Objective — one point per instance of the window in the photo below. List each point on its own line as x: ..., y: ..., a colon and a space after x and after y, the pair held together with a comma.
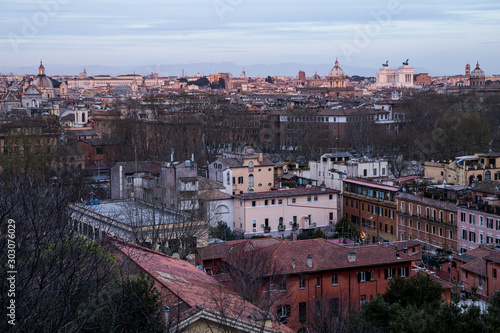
x: 266, y: 202
x: 283, y: 285
x: 471, y: 218
x: 388, y: 273
x: 452, y: 218
x: 494, y: 273
x: 293, y: 200
x: 250, y: 165
x: 462, y: 216
x: 130, y: 180
x: 335, y: 279
x: 374, y: 172
x: 280, y: 201
x: 253, y: 203
x: 254, y: 223
x: 302, y: 312
x: 472, y: 236
x: 240, y: 180
x: 362, y: 300
x: 273, y: 202
x: 330, y: 197
x: 250, y: 180
x: 451, y: 234
x: 361, y: 276
x: 283, y: 313
x: 402, y: 206
x: 464, y: 234
x: 403, y: 271
x: 309, y: 199
x: 302, y: 283
x: 316, y: 199
x: 334, y: 307
x: 318, y: 282
x: 383, y: 171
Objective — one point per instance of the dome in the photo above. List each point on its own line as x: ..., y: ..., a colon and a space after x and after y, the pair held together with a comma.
x: 121, y: 89
x: 43, y: 82
x: 336, y: 71
x: 477, y: 72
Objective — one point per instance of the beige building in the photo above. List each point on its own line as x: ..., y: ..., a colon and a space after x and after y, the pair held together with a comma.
x: 399, y: 78
x: 245, y: 172
x: 465, y: 170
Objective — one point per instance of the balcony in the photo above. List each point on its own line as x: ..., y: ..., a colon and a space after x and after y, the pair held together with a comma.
x: 281, y: 227
x: 295, y: 226
x: 267, y: 230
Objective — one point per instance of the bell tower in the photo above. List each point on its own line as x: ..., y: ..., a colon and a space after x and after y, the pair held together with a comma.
x: 467, y: 70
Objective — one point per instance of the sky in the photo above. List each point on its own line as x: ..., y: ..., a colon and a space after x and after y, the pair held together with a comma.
x: 438, y: 35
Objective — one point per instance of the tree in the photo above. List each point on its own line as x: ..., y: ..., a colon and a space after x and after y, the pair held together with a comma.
x: 60, y: 275
x: 222, y: 231
x: 346, y: 229
x: 259, y: 281
x: 131, y: 305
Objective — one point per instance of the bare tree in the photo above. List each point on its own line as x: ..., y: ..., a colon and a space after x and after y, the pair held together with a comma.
x: 259, y: 281
x: 56, y: 276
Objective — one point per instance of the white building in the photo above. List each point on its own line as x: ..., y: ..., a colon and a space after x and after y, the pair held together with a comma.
x: 399, y: 78
x: 333, y: 168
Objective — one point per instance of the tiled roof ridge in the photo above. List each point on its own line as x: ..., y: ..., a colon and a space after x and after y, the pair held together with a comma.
x: 146, y: 271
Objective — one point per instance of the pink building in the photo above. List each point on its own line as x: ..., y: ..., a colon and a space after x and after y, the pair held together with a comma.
x: 285, y: 212
x: 479, y: 217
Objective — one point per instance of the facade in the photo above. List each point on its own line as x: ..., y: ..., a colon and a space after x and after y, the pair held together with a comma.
x: 321, y: 275
x: 465, y: 170
x: 372, y: 208
x: 398, y: 78
x: 245, y: 172
x: 479, y: 217
x: 428, y: 220
x: 285, y: 213
x: 332, y: 168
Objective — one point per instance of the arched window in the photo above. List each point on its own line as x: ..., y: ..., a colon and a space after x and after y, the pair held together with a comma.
x: 441, y: 216
x: 250, y: 180
x: 281, y: 221
x: 487, y: 175
x: 250, y: 164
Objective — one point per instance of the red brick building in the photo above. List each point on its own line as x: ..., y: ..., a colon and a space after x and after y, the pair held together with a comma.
x: 323, y: 276
x: 372, y: 208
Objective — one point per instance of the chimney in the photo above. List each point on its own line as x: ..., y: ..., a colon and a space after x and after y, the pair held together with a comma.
x: 351, y: 256
x: 309, y: 261
x: 293, y: 263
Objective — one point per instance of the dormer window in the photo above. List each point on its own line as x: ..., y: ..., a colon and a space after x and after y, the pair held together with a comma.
x: 250, y: 164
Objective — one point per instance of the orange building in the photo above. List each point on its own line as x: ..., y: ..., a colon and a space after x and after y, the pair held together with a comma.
x: 372, y: 208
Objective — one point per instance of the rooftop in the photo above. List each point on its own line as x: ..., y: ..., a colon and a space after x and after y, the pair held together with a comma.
x: 286, y: 193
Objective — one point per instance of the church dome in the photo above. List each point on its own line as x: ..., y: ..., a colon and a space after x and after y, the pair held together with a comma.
x: 42, y: 81
x: 336, y: 71
x: 121, y: 89
x: 477, y: 72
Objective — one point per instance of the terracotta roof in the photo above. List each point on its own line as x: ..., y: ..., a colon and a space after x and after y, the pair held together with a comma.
x: 286, y: 193
x: 214, y: 195
x: 219, y: 251
x: 208, y: 184
x: 487, y: 186
x: 477, y: 266
x: 493, y: 256
x: 325, y: 256
x: 190, y: 284
x: 371, y: 184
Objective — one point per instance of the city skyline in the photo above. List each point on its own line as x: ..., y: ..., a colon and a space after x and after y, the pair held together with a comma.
x: 439, y: 36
